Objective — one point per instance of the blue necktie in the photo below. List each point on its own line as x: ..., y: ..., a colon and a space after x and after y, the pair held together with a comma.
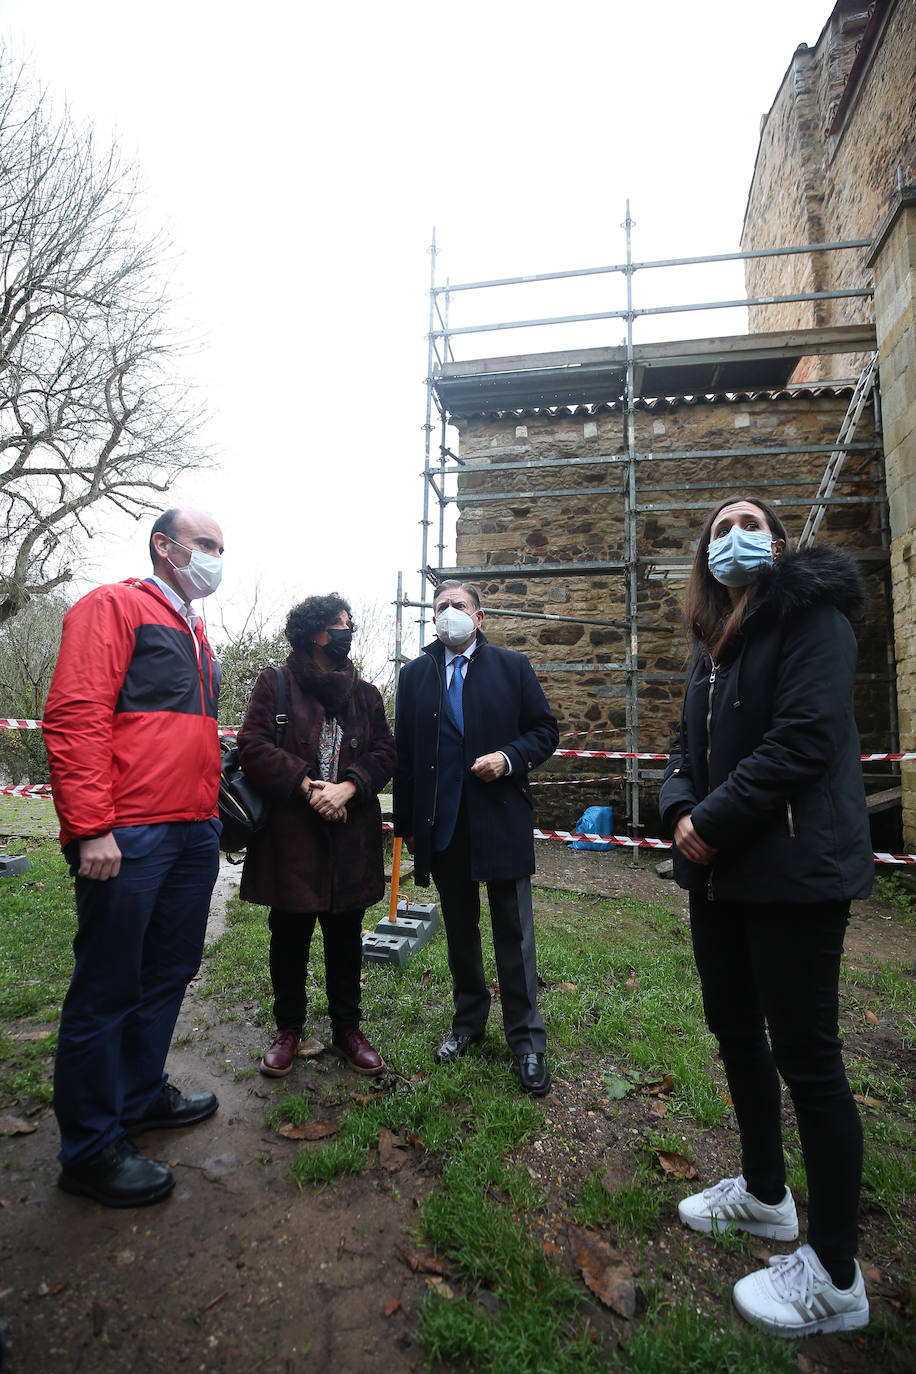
x: 455, y: 689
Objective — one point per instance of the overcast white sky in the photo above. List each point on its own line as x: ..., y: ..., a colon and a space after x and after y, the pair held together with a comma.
x: 299, y: 155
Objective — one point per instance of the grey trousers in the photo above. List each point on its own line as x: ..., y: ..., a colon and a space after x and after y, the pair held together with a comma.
x: 512, y: 920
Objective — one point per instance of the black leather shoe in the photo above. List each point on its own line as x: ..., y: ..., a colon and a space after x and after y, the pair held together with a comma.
x: 533, y: 1074
x: 173, y: 1108
x: 455, y: 1047
x: 118, y: 1176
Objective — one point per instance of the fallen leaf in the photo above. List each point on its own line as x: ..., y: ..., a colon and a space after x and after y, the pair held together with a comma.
x: 416, y: 1141
x: 871, y: 1273
x: 10, y: 1125
x: 58, y: 1288
x: 422, y: 1261
x: 425, y: 977
x: 494, y: 987
x: 676, y: 1164
x: 657, y: 1107
x: 664, y: 1088
x: 310, y: 1048
x: 31, y: 1035
x: 617, y: 1087
x: 605, y: 1272
x: 632, y: 983
x: 440, y: 1287
x: 392, y: 1150
x: 872, y: 1019
x: 564, y: 987
x: 309, y: 1130
x: 550, y: 1247
x: 804, y: 1365
x: 362, y: 1099
x: 612, y: 1180
x: 392, y: 1307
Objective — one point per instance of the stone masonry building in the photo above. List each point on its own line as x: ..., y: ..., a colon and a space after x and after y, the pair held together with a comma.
x: 837, y: 162
x: 582, y: 485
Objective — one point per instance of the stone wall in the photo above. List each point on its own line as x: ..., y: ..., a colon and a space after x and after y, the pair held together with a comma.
x: 578, y: 519
x: 894, y: 262
x: 812, y: 186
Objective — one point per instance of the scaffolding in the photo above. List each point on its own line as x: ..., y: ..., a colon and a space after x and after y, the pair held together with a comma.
x: 625, y: 375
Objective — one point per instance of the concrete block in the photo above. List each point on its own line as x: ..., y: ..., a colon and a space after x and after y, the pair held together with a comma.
x: 10, y: 866
x: 386, y: 949
x: 393, y: 942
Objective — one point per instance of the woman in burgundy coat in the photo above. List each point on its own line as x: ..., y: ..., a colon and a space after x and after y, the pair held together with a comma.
x: 320, y: 857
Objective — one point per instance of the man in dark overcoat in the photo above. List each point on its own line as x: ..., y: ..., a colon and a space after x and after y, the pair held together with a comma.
x: 471, y: 721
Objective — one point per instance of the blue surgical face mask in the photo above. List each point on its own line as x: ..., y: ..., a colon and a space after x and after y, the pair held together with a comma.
x: 737, y: 558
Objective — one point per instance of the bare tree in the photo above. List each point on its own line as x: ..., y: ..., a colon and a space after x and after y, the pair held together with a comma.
x: 29, y: 643
x: 92, y: 416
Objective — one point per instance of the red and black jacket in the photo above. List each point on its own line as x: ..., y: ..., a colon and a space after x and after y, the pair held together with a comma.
x: 130, y: 723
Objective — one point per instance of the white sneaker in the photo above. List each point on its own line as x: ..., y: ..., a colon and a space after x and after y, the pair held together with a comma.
x: 729, y: 1204
x: 795, y: 1297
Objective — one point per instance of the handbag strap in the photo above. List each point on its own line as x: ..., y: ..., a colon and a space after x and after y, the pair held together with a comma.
x: 281, y: 717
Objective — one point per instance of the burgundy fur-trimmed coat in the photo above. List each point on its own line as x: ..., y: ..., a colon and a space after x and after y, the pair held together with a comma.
x: 300, y: 862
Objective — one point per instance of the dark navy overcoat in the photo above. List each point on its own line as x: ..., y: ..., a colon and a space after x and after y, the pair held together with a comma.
x: 504, y: 710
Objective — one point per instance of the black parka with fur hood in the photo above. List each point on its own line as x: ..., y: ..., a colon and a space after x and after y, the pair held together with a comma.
x: 767, y: 757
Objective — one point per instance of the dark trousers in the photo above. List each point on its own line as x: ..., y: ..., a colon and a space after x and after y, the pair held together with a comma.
x: 776, y: 967
x: 290, y: 941
x: 512, y: 920
x: 139, y: 943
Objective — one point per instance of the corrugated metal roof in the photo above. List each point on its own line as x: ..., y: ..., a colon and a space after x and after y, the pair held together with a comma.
x: 722, y: 366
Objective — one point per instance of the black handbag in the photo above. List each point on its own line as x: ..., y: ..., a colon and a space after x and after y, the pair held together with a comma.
x: 243, y: 810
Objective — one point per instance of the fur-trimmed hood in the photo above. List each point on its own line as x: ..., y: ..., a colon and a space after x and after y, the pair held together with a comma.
x: 817, y: 574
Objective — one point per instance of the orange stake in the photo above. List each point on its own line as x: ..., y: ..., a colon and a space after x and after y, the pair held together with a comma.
x: 395, y: 880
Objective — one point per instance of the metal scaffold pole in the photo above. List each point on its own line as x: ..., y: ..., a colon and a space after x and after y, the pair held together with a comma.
x: 428, y: 430
x: 631, y: 557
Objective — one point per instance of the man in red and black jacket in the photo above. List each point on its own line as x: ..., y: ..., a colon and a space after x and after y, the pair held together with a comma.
x: 131, y: 733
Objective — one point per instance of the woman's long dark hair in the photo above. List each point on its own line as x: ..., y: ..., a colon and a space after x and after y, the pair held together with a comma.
x: 711, y: 617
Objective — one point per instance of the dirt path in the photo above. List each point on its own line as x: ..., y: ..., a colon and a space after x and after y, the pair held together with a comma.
x: 238, y: 1271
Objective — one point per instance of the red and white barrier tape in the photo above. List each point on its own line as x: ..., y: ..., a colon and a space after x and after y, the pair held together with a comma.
x: 41, y: 789
x: 12, y: 723
x: 602, y: 754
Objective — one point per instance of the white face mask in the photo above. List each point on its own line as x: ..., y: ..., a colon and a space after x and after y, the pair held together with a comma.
x: 201, y: 576
x: 454, y: 627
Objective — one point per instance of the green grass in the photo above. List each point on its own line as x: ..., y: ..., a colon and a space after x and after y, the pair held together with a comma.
x: 620, y: 997
x: 632, y: 1209
x: 36, y: 961
x: 894, y: 888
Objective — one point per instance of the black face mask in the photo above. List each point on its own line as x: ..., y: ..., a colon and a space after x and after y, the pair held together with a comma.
x: 338, y: 645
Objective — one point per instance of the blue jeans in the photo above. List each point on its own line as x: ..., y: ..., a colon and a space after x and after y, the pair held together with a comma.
x: 139, y: 943
x: 770, y: 977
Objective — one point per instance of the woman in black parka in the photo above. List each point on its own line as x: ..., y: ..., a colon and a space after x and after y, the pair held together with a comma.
x: 764, y: 795
x: 320, y: 856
